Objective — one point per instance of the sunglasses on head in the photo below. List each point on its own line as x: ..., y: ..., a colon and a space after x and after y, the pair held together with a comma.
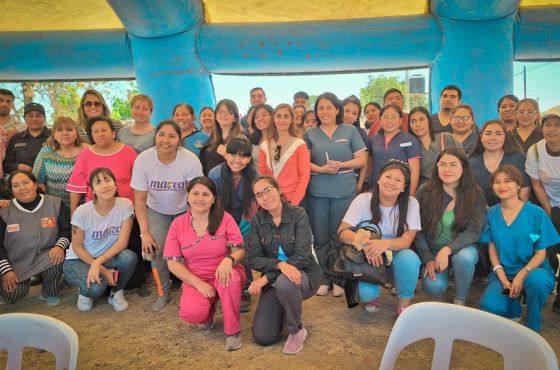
x: 277, y: 151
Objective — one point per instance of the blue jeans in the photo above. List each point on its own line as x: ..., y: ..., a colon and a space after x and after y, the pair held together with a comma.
x: 406, y: 267
x: 538, y: 285
x: 76, y: 270
x: 462, y: 263
x: 325, y: 216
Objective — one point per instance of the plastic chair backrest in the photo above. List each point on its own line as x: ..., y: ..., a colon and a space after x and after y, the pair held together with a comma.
x: 20, y: 330
x: 520, y: 347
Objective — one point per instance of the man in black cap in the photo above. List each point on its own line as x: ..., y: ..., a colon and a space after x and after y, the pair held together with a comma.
x: 23, y: 147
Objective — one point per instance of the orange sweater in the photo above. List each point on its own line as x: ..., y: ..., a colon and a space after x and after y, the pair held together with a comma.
x: 292, y: 171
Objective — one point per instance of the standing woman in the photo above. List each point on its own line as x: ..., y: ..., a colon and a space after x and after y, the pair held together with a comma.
x: 106, y: 151
x: 191, y: 138
x: 92, y: 104
x: 393, y: 143
x: 140, y: 135
x: 336, y: 151
x: 226, y: 125
x: 352, y: 112
x: 452, y: 208
x: 397, y: 215
x: 279, y: 247
x: 299, y: 117
x: 34, y: 232
x: 431, y: 144
x: 506, y: 109
x: 543, y: 167
x: 261, y: 123
x: 518, y: 235
x: 310, y: 120
x: 98, y: 256
x: 204, y: 249
x: 159, y: 179
x: 496, y: 148
x: 285, y: 156
x: 55, y: 161
x: 527, y: 132
x: 371, y: 111
x: 207, y: 120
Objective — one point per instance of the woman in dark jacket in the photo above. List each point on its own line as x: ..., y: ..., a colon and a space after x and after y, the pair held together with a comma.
x: 279, y: 247
x: 452, y: 208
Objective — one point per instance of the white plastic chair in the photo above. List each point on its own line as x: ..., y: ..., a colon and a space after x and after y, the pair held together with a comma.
x: 520, y: 347
x: 20, y: 330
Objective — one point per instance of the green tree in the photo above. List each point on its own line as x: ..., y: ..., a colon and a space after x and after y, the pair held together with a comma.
x: 312, y: 100
x: 377, y: 86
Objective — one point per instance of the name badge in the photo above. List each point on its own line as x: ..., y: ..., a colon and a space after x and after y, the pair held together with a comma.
x: 48, y: 222
x: 340, y: 141
x: 406, y: 144
x: 12, y: 228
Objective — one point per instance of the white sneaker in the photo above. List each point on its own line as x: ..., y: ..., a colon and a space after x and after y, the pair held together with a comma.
x: 116, y: 299
x: 84, y: 303
x: 323, y: 290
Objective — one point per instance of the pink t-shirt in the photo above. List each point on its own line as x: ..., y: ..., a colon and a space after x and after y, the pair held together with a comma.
x: 201, y: 255
x: 120, y: 163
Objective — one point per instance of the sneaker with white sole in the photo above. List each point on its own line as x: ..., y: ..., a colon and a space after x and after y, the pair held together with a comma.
x: 323, y: 290
x: 84, y: 303
x: 116, y: 299
x: 294, y: 343
x: 233, y: 342
x: 51, y: 300
x: 372, y: 306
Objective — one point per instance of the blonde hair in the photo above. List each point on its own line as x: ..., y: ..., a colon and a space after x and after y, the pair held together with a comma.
x: 82, y: 118
x: 142, y: 97
x: 62, y: 122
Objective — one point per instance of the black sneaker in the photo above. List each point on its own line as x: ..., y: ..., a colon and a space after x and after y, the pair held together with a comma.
x: 143, y: 291
x: 245, y: 304
x: 36, y: 280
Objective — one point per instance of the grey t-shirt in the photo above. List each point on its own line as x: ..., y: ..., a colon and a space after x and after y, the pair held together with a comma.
x: 137, y: 142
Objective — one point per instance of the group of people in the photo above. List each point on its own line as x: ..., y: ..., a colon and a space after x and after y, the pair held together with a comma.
x: 92, y: 199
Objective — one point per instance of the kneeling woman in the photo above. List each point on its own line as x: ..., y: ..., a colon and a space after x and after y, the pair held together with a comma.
x: 397, y: 214
x: 34, y: 231
x: 452, y: 208
x: 203, y: 248
x: 280, y: 247
x: 98, y: 257
x: 518, y: 235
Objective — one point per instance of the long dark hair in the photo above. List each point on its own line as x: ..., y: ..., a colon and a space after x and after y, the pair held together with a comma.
x: 257, y: 134
x: 428, y: 117
x: 509, y: 145
x: 239, y: 145
x: 467, y: 197
x: 216, y: 138
x: 216, y: 210
x: 334, y: 101
x: 102, y: 171
x: 352, y: 99
x: 402, y: 199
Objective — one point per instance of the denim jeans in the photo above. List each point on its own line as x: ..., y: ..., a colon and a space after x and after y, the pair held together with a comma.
x: 159, y: 226
x: 325, y: 216
x: 538, y: 285
x: 76, y: 270
x: 406, y: 267
x: 462, y: 263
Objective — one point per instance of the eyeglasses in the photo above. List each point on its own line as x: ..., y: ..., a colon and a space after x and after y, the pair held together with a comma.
x: 264, y: 192
x: 390, y: 117
x: 277, y: 152
x: 90, y: 104
x: 224, y: 112
x: 461, y: 118
x: 452, y: 165
x: 551, y: 124
x: 526, y: 112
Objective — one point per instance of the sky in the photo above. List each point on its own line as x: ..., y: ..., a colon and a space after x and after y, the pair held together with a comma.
x: 543, y: 84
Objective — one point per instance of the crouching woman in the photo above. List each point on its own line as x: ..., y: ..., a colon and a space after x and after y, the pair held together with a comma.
x: 279, y: 247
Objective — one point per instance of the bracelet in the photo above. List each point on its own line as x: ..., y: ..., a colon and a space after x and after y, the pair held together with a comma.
x: 231, y: 258
x: 497, y: 267
x: 528, y: 268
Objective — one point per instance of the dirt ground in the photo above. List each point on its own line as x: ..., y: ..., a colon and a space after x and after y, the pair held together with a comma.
x: 339, y: 338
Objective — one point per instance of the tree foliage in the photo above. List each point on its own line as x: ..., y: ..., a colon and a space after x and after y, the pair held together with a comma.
x: 377, y: 86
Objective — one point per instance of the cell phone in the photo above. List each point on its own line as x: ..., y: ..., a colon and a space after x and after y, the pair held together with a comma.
x: 506, y: 291
x: 115, y: 275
